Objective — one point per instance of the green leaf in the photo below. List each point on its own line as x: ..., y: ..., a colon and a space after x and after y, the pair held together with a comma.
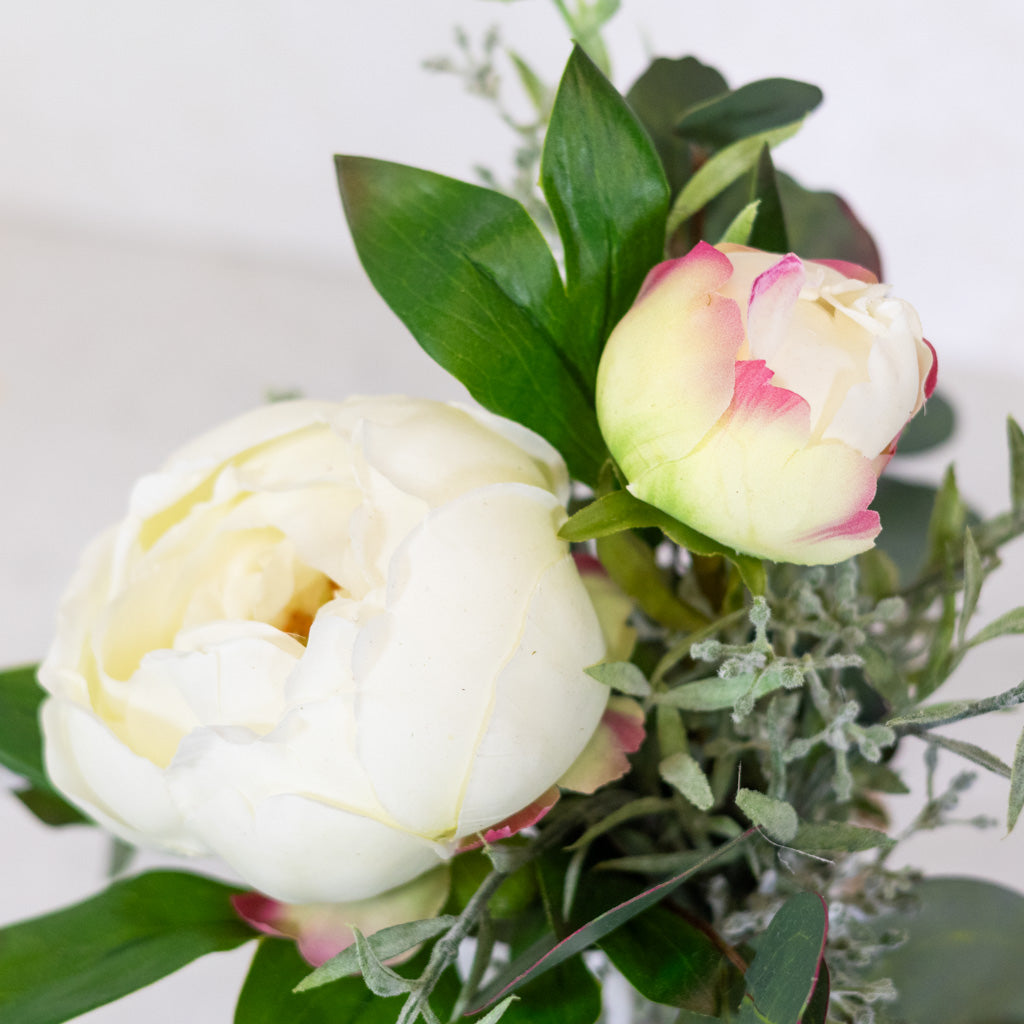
x: 661, y: 96
x: 769, y: 231
x: 717, y: 694
x: 498, y: 1012
x: 816, y: 1011
x: 468, y: 272
x: 882, y: 674
x: 932, y: 426
x: 623, y: 676
x: 1008, y: 624
x: 961, y: 961
x: 21, y: 741
x: 533, y: 86
x: 569, y: 994
x: 1016, y: 800
x: 267, y: 996
x: 618, y: 511
x: 947, y: 522
x: 1016, y: 439
x: 385, y: 944
x: 608, y: 196
x: 55, y: 967
x: 531, y: 966
x: 720, y: 171
x: 973, y: 578
x: 49, y: 808
x: 684, y: 773
x: 903, y: 506
x: 822, y: 226
x: 740, y: 227
x: 667, y: 959
x: 776, y: 817
x: 838, y: 836
x: 970, y: 752
x: 750, y: 110
x: 950, y: 711
x: 783, y: 974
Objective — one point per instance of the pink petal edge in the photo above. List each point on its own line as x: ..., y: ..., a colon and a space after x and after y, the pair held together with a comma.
x: 528, y: 816
x: 701, y: 253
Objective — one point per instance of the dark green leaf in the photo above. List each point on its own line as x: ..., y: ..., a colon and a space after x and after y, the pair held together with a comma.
x: 932, y: 426
x: 55, y: 967
x: 385, y: 944
x: 569, y: 994
x: 749, y: 110
x: 782, y: 977
x: 1016, y: 440
x: 608, y: 195
x: 532, y: 965
x: 21, y: 742
x: 961, y: 961
x: 1016, y: 800
x: 947, y: 522
x: 660, y: 97
x: 667, y: 959
x: 838, y: 836
x: 769, y: 231
x: 822, y: 226
x: 817, y: 1008
x: 49, y: 808
x: 904, y: 508
x: 267, y: 996
x: 472, y: 278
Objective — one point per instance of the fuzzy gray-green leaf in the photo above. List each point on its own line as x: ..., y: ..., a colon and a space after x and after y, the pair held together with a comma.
x: 623, y: 676
x: 685, y: 774
x: 776, y: 817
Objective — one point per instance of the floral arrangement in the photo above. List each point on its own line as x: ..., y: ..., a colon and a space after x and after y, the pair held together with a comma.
x: 595, y: 684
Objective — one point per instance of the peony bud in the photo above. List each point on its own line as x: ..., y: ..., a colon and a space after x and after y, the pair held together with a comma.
x: 756, y: 398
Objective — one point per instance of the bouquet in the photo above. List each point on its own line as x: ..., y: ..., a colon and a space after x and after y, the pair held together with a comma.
x: 579, y: 701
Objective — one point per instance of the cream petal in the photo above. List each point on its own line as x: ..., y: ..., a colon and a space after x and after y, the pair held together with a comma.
x: 426, y: 668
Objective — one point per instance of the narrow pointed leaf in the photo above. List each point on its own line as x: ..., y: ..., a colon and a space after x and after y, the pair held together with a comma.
x: 947, y: 522
x: 493, y: 1016
x: 973, y: 578
x: 783, y: 974
x: 607, y: 192
x: 721, y: 171
x: 1016, y: 800
x: 1016, y: 439
x: 970, y: 752
x: 839, y: 836
x: 520, y: 971
x: 386, y: 943
x: 49, y: 808
x: 933, y: 715
x: 470, y: 275
x: 380, y: 980
x: 569, y: 994
x: 55, y: 967
x: 750, y: 110
x: 769, y: 231
x: 1011, y: 622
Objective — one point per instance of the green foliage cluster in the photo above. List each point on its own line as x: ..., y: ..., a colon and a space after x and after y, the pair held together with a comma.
x: 739, y: 872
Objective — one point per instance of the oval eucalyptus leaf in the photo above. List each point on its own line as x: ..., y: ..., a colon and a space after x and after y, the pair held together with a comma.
x: 961, y: 961
x: 470, y: 275
x: 776, y: 817
x: 932, y: 426
x: 607, y: 192
x: 21, y: 741
x: 660, y: 97
x: 784, y: 972
x: 623, y: 676
x: 55, y: 967
x: 750, y: 110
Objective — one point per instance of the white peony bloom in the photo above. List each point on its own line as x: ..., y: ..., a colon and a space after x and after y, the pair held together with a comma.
x: 328, y: 643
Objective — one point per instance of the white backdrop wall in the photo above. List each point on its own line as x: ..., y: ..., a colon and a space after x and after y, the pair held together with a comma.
x: 214, y: 123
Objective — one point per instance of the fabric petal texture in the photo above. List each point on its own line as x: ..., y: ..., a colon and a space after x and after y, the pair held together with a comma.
x: 756, y: 398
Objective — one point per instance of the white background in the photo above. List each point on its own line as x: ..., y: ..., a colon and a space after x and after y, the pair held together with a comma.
x: 171, y: 245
